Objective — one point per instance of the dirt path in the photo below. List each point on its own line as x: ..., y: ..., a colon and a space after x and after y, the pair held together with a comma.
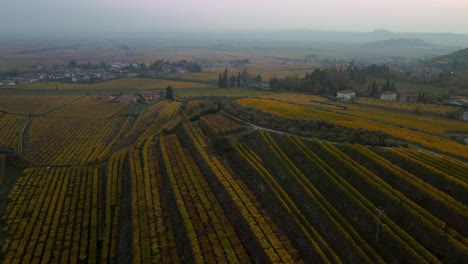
x: 22, y: 138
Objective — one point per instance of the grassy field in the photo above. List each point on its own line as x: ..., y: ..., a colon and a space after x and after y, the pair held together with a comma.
x: 34, y: 104
x: 119, y: 84
x: 90, y: 106
x: 199, y: 76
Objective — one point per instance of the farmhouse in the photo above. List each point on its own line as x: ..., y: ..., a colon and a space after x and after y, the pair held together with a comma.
x: 388, y: 96
x: 346, y: 95
x: 150, y: 96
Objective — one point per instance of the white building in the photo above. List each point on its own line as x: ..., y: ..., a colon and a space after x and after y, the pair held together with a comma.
x: 346, y: 95
x: 388, y: 96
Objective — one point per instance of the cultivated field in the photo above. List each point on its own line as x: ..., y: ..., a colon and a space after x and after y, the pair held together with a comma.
x: 118, y: 84
x: 185, y: 182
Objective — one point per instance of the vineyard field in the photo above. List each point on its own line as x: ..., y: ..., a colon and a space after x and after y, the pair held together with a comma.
x: 190, y: 182
x: 427, y: 140
x: 11, y: 127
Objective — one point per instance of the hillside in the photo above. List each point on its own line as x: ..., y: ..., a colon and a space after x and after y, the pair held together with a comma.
x: 399, y: 43
x: 276, y: 178
x: 456, y: 61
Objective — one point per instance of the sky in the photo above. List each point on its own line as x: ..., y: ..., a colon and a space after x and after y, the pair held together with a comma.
x: 48, y: 16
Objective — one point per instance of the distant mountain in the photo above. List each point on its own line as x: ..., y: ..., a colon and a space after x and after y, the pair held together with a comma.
x: 348, y: 37
x: 399, y: 43
x: 455, y: 61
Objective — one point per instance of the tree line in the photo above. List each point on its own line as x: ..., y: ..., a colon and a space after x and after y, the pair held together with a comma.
x: 329, y: 81
x: 190, y: 66
x: 242, y: 79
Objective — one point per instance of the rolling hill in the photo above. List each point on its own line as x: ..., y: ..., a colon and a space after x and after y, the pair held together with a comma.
x: 455, y: 61
x: 415, y: 43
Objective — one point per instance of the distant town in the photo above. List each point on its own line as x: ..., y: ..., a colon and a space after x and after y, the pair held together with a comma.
x: 88, y: 72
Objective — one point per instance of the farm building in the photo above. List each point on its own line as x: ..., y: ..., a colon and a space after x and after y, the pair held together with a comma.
x: 409, y: 98
x: 388, y: 96
x: 346, y: 95
x: 150, y: 96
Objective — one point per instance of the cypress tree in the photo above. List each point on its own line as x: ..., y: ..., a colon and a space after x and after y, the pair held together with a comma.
x: 225, y: 78
x: 233, y: 81
x: 220, y: 81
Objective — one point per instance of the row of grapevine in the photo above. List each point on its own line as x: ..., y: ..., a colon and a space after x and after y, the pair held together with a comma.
x: 140, y: 209
x: 401, y: 238
x: 431, y: 109
x: 160, y: 229
x: 10, y: 130
x: 451, y: 219
x: 72, y: 141
x: 153, y: 236
x: 275, y: 245
x: 418, y: 183
x: 392, y: 197
x: 220, y: 123
x: 345, y: 119
x: 321, y: 247
x: 213, y: 238
x: 425, y: 123
x: 167, y: 118
x: 113, y: 191
x: 453, y: 171
x: 53, y: 216
x: 434, y: 176
x: 346, y: 230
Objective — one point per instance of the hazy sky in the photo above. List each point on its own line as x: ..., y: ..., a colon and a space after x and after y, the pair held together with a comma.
x: 186, y: 15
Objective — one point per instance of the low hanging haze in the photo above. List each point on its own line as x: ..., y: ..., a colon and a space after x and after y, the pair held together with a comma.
x: 120, y: 16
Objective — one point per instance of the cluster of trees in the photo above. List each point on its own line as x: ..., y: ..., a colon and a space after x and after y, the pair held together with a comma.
x: 422, y: 97
x: 241, y: 80
x: 376, y: 88
x: 329, y: 81
x: 8, y: 74
x: 169, y: 93
x: 190, y: 66
x: 317, y: 82
x: 73, y: 64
